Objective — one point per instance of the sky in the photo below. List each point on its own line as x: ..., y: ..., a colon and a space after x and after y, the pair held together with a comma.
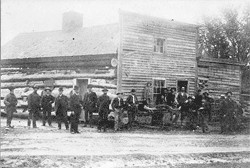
x: 19, y: 16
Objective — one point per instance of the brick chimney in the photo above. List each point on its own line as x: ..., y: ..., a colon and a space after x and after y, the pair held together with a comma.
x: 72, y: 21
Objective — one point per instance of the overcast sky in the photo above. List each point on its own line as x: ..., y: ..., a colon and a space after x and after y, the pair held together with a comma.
x: 18, y: 16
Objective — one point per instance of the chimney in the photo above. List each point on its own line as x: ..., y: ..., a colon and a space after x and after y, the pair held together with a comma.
x: 72, y: 21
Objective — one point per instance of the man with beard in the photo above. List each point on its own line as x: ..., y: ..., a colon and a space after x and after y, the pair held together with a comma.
x: 61, y: 108
x: 103, y: 110
x: 10, y: 102
x: 89, y: 105
x: 34, y: 107
x: 46, y: 103
x: 76, y: 105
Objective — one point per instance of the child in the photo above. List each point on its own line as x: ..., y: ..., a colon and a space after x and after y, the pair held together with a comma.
x: 73, y: 123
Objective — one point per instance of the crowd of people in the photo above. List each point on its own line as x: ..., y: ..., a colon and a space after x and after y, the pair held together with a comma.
x: 195, y: 110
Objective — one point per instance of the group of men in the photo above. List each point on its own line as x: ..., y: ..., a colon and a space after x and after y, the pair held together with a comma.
x: 197, y: 109
x: 75, y: 103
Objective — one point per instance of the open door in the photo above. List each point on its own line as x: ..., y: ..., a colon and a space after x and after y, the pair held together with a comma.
x: 181, y: 84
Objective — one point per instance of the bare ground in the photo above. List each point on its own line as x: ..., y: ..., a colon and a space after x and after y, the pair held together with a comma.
x: 49, y: 147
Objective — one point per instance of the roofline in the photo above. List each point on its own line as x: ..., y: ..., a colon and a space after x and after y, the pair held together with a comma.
x: 220, y: 61
x: 159, y: 19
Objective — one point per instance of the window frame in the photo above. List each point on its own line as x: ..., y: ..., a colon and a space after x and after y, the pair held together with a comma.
x: 157, y: 47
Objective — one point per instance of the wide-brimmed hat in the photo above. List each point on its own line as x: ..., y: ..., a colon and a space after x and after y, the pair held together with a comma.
x: 60, y: 89
x: 35, y: 86
x: 76, y: 87
x: 11, y: 88
x: 229, y: 92
x: 105, y: 89
x: 47, y: 88
x: 118, y: 93
x: 133, y: 90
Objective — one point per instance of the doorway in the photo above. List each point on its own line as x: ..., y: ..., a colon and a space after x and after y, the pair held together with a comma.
x: 82, y: 84
x: 181, y: 84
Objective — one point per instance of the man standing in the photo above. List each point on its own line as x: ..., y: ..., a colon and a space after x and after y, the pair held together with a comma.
x: 33, y: 106
x: 132, y: 103
x: 209, y: 105
x: 228, y: 110
x: 171, y: 97
x: 76, y: 105
x: 10, y: 102
x: 181, y: 98
x: 61, y: 108
x: 198, y: 99
x: 46, y: 103
x: 89, y: 105
x: 117, y: 106
x: 103, y: 110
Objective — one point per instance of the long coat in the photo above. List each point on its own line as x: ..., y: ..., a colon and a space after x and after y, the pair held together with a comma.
x: 10, y: 102
x: 34, y: 102
x: 89, y: 101
x: 103, y: 106
x: 181, y: 98
x: 61, y: 105
x: 46, y: 102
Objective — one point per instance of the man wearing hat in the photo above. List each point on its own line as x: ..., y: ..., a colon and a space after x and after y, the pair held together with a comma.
x: 171, y: 97
x: 89, y: 105
x: 10, y: 102
x: 209, y: 105
x: 117, y: 106
x: 34, y: 106
x: 228, y: 113
x: 76, y: 104
x: 61, y: 108
x: 46, y: 104
x: 132, y: 103
x: 103, y: 110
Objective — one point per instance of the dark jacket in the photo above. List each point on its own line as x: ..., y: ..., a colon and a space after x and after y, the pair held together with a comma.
x: 10, y: 102
x: 170, y: 99
x: 89, y: 101
x: 198, y: 100
x: 34, y: 101
x: 103, y: 103
x: 61, y: 105
x: 115, y: 103
x: 181, y: 98
x: 129, y: 100
x: 76, y: 102
x: 47, y: 101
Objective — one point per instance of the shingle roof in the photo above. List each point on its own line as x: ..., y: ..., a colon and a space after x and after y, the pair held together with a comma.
x: 95, y: 40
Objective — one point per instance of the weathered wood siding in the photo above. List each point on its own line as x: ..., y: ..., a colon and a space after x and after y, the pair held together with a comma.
x: 140, y: 64
x: 222, y: 77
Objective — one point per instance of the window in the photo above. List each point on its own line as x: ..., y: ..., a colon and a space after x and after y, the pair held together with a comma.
x: 159, y: 45
x: 181, y: 84
x: 158, y: 85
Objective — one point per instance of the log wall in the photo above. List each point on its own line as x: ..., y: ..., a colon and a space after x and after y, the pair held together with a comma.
x: 140, y: 64
x: 222, y: 77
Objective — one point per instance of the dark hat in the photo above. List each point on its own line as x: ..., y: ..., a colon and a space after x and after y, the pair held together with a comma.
x: 89, y: 86
x: 148, y: 83
x: 190, y: 97
x: 173, y: 89
x: 105, y: 89
x: 229, y: 92
x: 11, y: 88
x: 199, y: 90
x: 205, y: 93
x: 133, y: 90
x: 76, y: 87
x: 47, y: 88
x: 60, y: 89
x: 118, y: 93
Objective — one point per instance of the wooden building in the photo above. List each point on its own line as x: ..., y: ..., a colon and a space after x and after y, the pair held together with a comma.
x: 122, y: 56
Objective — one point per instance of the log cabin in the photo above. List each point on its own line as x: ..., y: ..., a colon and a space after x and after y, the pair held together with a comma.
x: 120, y: 56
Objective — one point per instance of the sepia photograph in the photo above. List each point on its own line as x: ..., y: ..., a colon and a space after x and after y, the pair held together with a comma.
x: 125, y: 84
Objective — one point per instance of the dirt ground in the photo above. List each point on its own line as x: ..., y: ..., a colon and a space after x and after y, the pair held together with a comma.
x: 48, y: 147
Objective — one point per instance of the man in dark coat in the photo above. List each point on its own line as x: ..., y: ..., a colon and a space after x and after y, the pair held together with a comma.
x: 76, y: 104
x: 132, y: 104
x: 198, y: 99
x: 46, y: 103
x: 89, y: 105
x: 117, y: 106
x: 34, y: 107
x: 203, y: 115
x: 209, y: 104
x: 171, y: 97
x: 10, y: 102
x: 228, y: 109
x: 61, y: 108
x: 181, y: 98
x: 103, y: 110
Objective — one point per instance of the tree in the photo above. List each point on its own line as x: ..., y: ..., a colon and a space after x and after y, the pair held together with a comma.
x: 227, y: 37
